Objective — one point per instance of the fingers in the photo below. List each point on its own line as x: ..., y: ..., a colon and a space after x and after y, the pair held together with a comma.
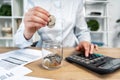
x: 78, y: 48
x: 37, y: 15
x: 84, y: 46
x: 37, y: 25
x: 96, y: 47
x: 34, y: 15
x: 34, y: 19
x: 91, y: 48
x: 37, y: 12
x: 42, y: 10
x: 87, y: 47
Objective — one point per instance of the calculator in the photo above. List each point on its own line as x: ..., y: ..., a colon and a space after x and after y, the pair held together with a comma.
x: 98, y: 63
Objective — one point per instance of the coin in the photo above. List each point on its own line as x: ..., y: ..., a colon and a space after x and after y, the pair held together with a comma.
x: 47, y: 62
x: 51, y: 23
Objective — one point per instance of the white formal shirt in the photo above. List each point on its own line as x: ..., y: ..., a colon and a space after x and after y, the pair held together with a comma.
x: 70, y: 26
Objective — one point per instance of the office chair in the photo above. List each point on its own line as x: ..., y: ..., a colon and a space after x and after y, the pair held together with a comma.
x: 34, y: 44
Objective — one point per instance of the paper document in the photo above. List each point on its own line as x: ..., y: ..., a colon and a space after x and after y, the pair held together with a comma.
x: 12, y: 59
x: 16, y: 72
x: 11, y: 64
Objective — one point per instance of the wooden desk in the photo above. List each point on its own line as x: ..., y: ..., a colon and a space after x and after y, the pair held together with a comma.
x: 72, y: 72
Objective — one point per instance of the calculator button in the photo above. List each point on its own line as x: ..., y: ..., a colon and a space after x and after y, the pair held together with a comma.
x: 87, y: 62
x: 82, y: 60
x: 78, y: 59
x: 91, y: 61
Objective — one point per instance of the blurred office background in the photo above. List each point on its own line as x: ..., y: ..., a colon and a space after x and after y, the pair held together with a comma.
x: 102, y: 17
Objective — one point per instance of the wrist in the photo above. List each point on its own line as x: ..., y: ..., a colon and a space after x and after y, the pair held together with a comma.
x: 27, y: 35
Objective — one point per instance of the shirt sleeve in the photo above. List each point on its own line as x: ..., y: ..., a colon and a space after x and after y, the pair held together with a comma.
x: 81, y: 30
x: 19, y: 38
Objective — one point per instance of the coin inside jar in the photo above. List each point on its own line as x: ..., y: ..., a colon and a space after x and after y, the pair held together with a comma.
x: 52, y: 61
x: 51, y: 23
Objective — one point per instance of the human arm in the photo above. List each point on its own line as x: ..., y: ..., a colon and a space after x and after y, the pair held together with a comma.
x: 34, y: 19
x: 82, y: 33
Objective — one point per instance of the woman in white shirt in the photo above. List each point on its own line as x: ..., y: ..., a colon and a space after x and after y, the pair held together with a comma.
x: 70, y: 26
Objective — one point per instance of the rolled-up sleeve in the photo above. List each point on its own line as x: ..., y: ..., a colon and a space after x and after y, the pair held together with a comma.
x: 81, y: 30
x: 20, y: 40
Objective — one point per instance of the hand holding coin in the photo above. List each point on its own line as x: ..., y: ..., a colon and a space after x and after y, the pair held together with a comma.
x: 34, y: 19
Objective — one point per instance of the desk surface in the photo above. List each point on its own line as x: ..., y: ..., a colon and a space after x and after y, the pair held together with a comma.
x: 72, y: 72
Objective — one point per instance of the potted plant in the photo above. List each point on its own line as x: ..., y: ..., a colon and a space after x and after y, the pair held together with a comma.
x: 5, y: 10
x: 93, y: 24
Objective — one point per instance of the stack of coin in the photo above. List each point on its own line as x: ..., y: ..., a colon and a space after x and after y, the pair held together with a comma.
x: 52, y: 60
